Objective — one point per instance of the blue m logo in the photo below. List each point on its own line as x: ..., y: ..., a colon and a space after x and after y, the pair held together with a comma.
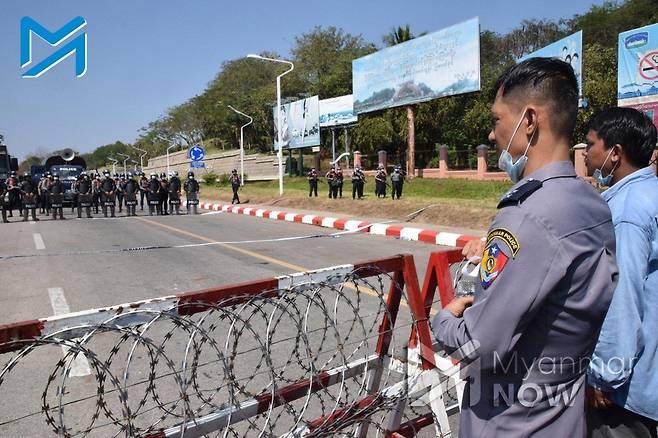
x: 78, y: 45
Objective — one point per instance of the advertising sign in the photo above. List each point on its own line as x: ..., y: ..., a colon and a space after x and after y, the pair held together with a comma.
x: 300, y: 122
x: 337, y: 111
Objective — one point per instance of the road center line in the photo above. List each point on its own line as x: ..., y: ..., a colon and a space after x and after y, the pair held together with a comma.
x: 38, y: 241
x: 256, y: 255
x: 80, y: 365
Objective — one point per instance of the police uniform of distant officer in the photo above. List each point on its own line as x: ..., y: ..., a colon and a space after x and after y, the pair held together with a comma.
x: 29, y: 197
x: 143, y: 190
x: 130, y: 190
x: 331, y: 181
x: 108, y: 194
x: 380, y: 182
x: 96, y: 191
x: 191, y: 187
x: 312, y: 182
x: 41, y: 190
x: 4, y: 199
x: 339, y: 181
x: 57, y: 197
x: 235, y: 186
x: 397, y: 182
x: 120, y: 181
x: 174, y: 193
x: 14, y: 192
x: 547, y: 272
x: 85, y: 194
x: 358, y: 181
x: 164, y: 193
x: 154, y: 194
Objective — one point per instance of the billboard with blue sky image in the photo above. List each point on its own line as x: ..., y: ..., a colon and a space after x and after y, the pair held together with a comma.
x: 301, y: 123
x: 637, y: 66
x: 337, y: 111
x: 443, y: 63
x: 568, y: 49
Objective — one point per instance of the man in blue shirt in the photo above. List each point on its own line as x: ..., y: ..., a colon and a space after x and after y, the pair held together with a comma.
x: 623, y: 383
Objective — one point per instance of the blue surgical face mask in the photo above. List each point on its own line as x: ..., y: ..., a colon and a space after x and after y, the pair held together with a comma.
x: 506, y: 162
x: 598, y: 173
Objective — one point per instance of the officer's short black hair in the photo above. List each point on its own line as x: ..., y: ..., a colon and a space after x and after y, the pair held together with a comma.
x: 549, y: 81
x: 627, y: 127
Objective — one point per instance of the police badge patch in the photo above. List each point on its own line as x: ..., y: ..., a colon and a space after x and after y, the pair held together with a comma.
x: 493, y: 262
x: 494, y: 259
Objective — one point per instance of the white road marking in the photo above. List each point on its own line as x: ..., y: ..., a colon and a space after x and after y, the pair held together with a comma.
x: 38, y: 241
x: 80, y: 365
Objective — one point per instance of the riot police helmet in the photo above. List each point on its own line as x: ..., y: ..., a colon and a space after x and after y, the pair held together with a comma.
x: 56, y: 176
x: 154, y: 175
x: 130, y: 175
x: 190, y: 174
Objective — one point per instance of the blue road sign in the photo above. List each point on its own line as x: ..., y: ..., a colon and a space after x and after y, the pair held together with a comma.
x: 197, y: 165
x: 196, y: 153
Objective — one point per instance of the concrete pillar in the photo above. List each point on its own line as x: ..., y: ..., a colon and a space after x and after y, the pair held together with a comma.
x: 443, y: 161
x: 357, y: 159
x: 382, y: 158
x: 579, y: 159
x: 483, y: 155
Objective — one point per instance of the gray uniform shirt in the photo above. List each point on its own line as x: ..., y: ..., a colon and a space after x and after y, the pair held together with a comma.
x: 546, y: 281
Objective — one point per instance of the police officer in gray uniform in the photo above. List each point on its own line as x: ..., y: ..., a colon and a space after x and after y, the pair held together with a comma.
x: 547, y: 272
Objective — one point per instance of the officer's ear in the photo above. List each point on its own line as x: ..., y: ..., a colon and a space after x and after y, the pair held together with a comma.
x: 531, y: 120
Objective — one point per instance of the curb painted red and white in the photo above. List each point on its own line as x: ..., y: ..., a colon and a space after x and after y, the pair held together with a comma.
x: 404, y: 233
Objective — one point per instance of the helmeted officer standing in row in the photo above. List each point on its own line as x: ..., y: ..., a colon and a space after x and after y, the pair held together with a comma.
x: 29, y: 197
x: 14, y: 190
x: 130, y: 190
x: 44, y: 193
x: 85, y: 194
x: 143, y: 190
x: 380, y: 182
x: 312, y: 178
x: 331, y: 181
x: 397, y: 182
x: 340, y: 180
x: 57, y: 197
x: 108, y: 194
x: 358, y: 181
x: 174, y: 193
x: 4, y: 199
x: 164, y: 194
x: 235, y: 186
x: 547, y: 272
x: 154, y: 194
x: 191, y: 187
x: 119, y: 181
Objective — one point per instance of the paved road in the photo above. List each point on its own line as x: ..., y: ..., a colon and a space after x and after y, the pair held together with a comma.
x: 76, y: 264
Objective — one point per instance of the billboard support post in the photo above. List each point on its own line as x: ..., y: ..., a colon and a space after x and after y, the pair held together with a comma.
x: 278, y: 111
x: 333, y: 144
x: 411, y: 140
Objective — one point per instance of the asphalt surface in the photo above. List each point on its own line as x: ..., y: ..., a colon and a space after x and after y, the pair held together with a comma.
x: 49, y: 267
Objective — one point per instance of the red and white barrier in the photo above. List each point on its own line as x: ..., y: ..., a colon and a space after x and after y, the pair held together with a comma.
x: 382, y: 229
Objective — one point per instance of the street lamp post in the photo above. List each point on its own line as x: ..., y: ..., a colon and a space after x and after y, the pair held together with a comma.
x: 125, y: 169
x: 242, y: 142
x: 141, y: 157
x: 278, y: 111
x: 114, y: 164
x: 168, y: 149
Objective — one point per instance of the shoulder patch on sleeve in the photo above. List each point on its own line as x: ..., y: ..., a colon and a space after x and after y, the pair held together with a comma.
x: 521, y: 193
x: 493, y: 262
x: 507, y: 237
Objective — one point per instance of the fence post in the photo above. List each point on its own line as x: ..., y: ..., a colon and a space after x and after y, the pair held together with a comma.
x: 357, y: 159
x: 483, y: 152
x: 579, y: 159
x: 443, y: 161
x: 382, y: 158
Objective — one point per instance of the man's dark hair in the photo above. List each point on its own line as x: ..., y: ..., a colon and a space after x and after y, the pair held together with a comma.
x: 548, y: 81
x: 628, y: 127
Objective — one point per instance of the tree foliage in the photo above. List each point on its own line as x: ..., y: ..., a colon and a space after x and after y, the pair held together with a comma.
x: 323, y: 66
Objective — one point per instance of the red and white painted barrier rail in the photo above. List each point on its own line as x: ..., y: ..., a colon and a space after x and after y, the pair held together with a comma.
x: 383, y: 229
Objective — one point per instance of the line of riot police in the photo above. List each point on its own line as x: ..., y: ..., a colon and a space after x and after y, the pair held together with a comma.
x: 335, y: 178
x: 91, y: 191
